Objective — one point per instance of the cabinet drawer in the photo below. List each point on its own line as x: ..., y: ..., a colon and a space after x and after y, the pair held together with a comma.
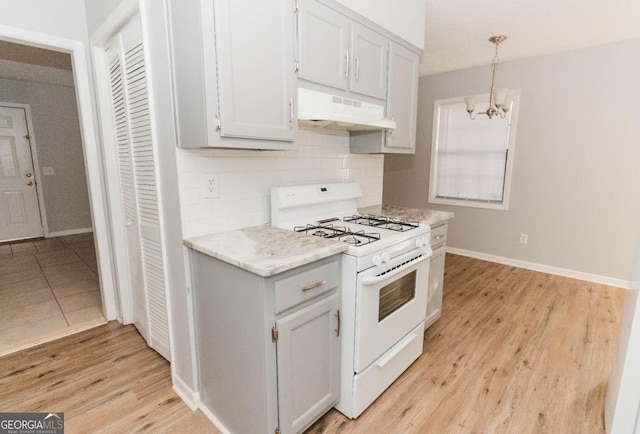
x: 306, y: 285
x: 438, y: 235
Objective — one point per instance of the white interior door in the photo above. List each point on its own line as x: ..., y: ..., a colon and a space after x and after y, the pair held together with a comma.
x: 19, y: 209
x: 138, y: 186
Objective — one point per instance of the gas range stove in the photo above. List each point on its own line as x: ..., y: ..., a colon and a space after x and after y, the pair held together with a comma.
x: 384, y: 283
x: 330, y: 211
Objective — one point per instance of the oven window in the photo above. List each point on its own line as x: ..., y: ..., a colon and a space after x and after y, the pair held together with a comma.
x: 396, y: 294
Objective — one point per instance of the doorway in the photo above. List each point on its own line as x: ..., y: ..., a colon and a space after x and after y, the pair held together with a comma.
x: 64, y: 244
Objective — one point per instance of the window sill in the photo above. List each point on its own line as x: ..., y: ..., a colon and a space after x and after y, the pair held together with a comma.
x: 504, y: 206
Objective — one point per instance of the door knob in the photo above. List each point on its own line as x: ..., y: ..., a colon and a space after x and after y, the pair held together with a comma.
x: 29, y: 175
x: 30, y: 183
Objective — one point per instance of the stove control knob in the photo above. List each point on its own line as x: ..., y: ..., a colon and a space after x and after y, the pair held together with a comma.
x: 385, y: 257
x: 426, y: 240
x: 419, y: 242
x: 376, y: 260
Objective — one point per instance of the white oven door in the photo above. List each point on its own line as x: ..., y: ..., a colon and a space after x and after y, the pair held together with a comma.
x: 391, y: 301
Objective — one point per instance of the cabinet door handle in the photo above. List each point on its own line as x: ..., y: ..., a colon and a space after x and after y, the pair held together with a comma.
x: 313, y: 285
x: 357, y: 66
x: 346, y: 60
x: 439, y: 237
x: 291, y: 112
x: 338, y: 317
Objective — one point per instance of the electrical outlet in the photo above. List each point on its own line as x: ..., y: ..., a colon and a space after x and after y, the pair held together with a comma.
x: 211, y: 184
x: 524, y: 238
x: 47, y: 171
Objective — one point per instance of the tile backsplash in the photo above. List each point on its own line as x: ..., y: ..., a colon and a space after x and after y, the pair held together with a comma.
x: 223, y: 190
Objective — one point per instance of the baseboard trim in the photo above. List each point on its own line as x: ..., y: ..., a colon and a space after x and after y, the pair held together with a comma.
x: 594, y: 278
x: 214, y: 420
x: 68, y: 232
x: 188, y: 395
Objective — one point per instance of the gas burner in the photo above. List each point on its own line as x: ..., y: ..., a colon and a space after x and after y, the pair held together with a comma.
x: 395, y: 227
x: 351, y: 240
x: 382, y: 222
x: 322, y: 230
x: 359, y: 238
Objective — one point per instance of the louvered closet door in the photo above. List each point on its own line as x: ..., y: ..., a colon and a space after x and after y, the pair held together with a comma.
x: 138, y: 184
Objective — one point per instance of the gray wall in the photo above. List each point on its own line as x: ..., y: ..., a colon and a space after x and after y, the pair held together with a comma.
x: 97, y: 12
x: 576, y: 175
x: 59, y: 145
x: 64, y: 18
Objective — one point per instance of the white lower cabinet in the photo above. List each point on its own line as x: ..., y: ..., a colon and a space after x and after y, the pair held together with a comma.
x: 268, y: 348
x: 436, y: 274
x: 308, y: 382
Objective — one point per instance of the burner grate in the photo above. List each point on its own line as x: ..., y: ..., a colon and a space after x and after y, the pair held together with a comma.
x: 341, y: 233
x: 382, y: 222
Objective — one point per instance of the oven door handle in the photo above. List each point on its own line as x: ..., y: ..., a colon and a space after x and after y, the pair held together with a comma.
x: 398, y: 348
x: 377, y: 279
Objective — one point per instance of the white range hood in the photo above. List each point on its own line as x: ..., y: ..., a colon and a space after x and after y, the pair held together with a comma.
x: 334, y: 112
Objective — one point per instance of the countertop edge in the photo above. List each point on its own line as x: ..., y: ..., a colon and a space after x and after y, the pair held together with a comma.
x: 264, y: 259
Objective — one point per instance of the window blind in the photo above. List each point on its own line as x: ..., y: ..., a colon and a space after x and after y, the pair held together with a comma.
x: 471, y: 154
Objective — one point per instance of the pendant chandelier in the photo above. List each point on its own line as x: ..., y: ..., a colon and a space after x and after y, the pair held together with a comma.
x: 499, y: 99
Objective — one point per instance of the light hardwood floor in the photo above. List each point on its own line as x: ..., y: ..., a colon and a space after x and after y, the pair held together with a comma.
x: 515, y: 352
x: 104, y: 380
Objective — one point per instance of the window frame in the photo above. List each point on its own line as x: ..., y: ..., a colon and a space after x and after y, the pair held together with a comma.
x: 433, y: 175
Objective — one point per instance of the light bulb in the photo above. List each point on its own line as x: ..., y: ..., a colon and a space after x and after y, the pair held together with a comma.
x: 471, y: 102
x: 499, y: 96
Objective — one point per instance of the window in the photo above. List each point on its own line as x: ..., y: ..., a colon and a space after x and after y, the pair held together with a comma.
x: 471, y: 159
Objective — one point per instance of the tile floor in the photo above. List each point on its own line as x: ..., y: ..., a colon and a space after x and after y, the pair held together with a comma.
x: 48, y: 286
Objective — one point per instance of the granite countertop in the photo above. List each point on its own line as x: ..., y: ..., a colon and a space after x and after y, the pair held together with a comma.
x: 429, y: 216
x: 265, y: 250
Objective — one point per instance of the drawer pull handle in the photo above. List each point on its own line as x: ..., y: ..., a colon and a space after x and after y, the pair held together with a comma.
x: 439, y: 237
x: 291, y: 112
x: 338, y: 317
x: 346, y: 61
x: 313, y: 285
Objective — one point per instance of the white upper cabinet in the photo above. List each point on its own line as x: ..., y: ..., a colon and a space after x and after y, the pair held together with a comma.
x: 402, y: 107
x: 402, y: 99
x: 323, y: 45
x: 369, y: 51
x: 341, y: 53
x: 233, y: 71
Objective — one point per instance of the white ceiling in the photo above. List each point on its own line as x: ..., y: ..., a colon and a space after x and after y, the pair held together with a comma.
x: 457, y: 31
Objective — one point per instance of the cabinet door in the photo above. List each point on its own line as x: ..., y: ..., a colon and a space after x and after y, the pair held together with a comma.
x: 402, y: 100
x: 308, y: 353
x: 436, y: 280
x: 323, y: 43
x: 254, y: 42
x: 369, y: 65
